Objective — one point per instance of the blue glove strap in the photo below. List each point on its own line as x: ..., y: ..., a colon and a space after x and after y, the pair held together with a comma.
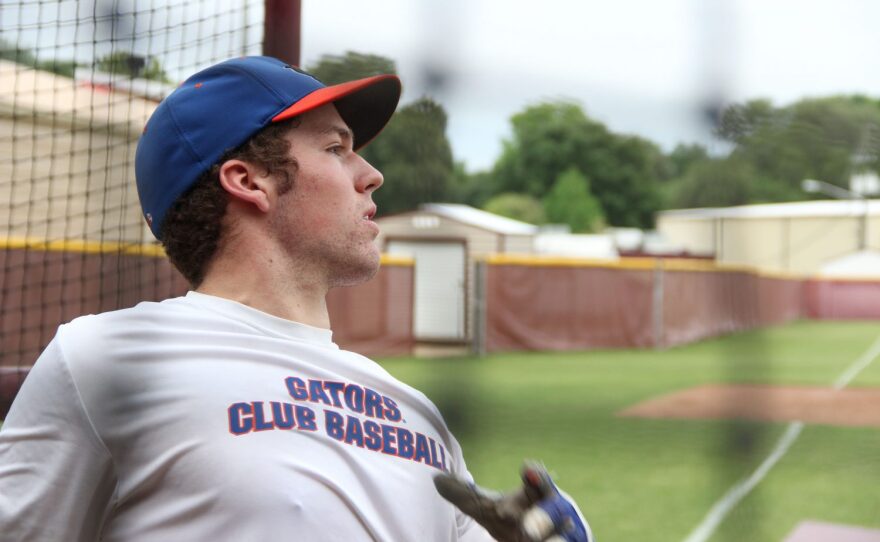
x: 564, y: 513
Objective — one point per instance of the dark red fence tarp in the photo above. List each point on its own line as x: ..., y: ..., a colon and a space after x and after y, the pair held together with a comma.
x: 700, y: 304
x: 42, y: 289
x: 842, y: 299
x: 566, y: 308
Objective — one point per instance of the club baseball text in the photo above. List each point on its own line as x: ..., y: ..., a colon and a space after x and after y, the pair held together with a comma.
x: 370, y: 434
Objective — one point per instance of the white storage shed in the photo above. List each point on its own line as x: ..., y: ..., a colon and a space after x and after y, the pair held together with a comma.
x: 444, y: 239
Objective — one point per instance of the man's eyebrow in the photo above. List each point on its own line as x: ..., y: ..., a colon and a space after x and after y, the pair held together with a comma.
x: 342, y: 131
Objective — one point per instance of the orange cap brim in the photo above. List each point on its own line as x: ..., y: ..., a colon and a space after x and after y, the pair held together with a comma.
x: 366, y: 105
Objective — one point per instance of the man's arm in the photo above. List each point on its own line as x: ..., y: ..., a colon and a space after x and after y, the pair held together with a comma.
x: 56, y: 476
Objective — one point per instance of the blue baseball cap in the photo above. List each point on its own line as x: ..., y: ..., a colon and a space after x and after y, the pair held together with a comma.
x: 221, y: 107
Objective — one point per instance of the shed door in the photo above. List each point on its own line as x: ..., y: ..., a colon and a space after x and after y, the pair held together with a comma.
x: 439, y: 302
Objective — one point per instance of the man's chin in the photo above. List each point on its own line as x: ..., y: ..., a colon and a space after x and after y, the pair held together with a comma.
x: 358, y: 272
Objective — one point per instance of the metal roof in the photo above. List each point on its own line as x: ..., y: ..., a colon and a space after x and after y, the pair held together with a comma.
x: 42, y: 96
x: 863, y: 264
x: 481, y: 219
x: 781, y: 210
x: 580, y: 245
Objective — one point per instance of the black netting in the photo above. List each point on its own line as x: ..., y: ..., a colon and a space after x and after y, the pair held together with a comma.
x: 77, y: 82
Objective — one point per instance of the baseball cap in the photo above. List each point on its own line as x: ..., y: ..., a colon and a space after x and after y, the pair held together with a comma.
x: 219, y: 108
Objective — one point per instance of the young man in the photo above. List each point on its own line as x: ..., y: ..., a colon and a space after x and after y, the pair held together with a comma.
x: 229, y: 414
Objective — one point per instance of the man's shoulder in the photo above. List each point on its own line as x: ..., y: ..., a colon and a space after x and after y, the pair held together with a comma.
x: 145, y: 312
x: 97, y: 346
x: 103, y: 331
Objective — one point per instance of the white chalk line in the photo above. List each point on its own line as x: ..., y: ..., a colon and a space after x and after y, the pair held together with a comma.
x: 736, y: 493
x: 858, y: 366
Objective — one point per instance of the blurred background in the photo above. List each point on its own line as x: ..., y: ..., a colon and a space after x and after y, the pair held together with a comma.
x: 635, y: 239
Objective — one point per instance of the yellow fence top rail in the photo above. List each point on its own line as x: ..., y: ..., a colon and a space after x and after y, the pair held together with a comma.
x: 82, y: 246
x: 394, y: 259
x: 643, y: 264
x: 154, y: 250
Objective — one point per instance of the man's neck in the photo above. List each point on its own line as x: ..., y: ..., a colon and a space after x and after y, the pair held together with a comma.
x: 266, y: 287
x: 304, y: 312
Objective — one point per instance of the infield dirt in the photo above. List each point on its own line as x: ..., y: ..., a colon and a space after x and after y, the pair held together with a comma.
x: 814, y: 405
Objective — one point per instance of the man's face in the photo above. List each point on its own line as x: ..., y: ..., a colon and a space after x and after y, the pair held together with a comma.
x: 325, y: 222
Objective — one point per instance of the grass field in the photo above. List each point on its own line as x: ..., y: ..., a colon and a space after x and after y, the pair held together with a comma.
x: 655, y: 480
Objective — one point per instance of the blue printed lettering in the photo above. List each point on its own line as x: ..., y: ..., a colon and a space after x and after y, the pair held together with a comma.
x: 335, y: 388
x: 373, y: 404
x: 240, y: 421
x: 341, y: 395
x: 316, y: 392
x: 354, y: 397
x: 422, y: 453
x: 388, y: 439
x: 305, y: 418
x: 333, y: 423
x: 443, y: 459
x: 435, y: 461
x: 296, y: 388
x: 372, y: 435
x: 404, y: 443
x: 353, y: 432
x: 282, y: 415
x: 392, y: 413
x: 260, y: 424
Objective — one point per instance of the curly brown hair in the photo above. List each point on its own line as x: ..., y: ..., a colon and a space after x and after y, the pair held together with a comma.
x: 193, y: 227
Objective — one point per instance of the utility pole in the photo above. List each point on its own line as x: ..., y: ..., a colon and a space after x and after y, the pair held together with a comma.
x: 282, y: 30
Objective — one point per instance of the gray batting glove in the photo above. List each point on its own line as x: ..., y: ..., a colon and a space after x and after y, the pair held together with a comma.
x: 536, y: 512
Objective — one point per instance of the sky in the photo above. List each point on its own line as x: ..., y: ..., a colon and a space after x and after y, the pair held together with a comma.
x: 644, y: 67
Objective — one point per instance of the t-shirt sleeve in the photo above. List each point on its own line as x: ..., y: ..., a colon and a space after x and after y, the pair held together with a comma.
x: 56, y: 476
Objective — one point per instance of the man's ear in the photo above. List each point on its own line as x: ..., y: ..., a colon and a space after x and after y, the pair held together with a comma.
x: 246, y: 183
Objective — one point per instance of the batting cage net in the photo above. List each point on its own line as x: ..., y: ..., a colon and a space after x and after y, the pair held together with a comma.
x: 78, y: 81
x: 767, y: 434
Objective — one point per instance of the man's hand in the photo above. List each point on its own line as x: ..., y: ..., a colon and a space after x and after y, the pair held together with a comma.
x: 536, y: 512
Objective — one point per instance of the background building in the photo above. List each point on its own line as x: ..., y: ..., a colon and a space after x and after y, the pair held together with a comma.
x: 67, y: 158
x: 445, y: 240
x: 799, y: 237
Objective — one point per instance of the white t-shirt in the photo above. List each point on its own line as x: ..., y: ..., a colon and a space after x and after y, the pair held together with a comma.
x: 199, y: 418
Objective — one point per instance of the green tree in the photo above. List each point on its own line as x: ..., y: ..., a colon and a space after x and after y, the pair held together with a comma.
x: 812, y: 138
x: 551, y: 137
x: 414, y: 156
x: 716, y: 183
x: 131, y: 65
x: 570, y: 202
x: 25, y: 57
x: 776, y: 148
x: 335, y: 69
x: 517, y: 206
x: 739, y: 121
x: 684, y: 156
x: 413, y: 152
x: 474, y: 189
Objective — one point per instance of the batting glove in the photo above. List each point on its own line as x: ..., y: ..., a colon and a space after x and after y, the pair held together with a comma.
x: 536, y: 512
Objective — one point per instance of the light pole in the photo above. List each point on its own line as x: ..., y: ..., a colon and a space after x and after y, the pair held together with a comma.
x: 814, y: 186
